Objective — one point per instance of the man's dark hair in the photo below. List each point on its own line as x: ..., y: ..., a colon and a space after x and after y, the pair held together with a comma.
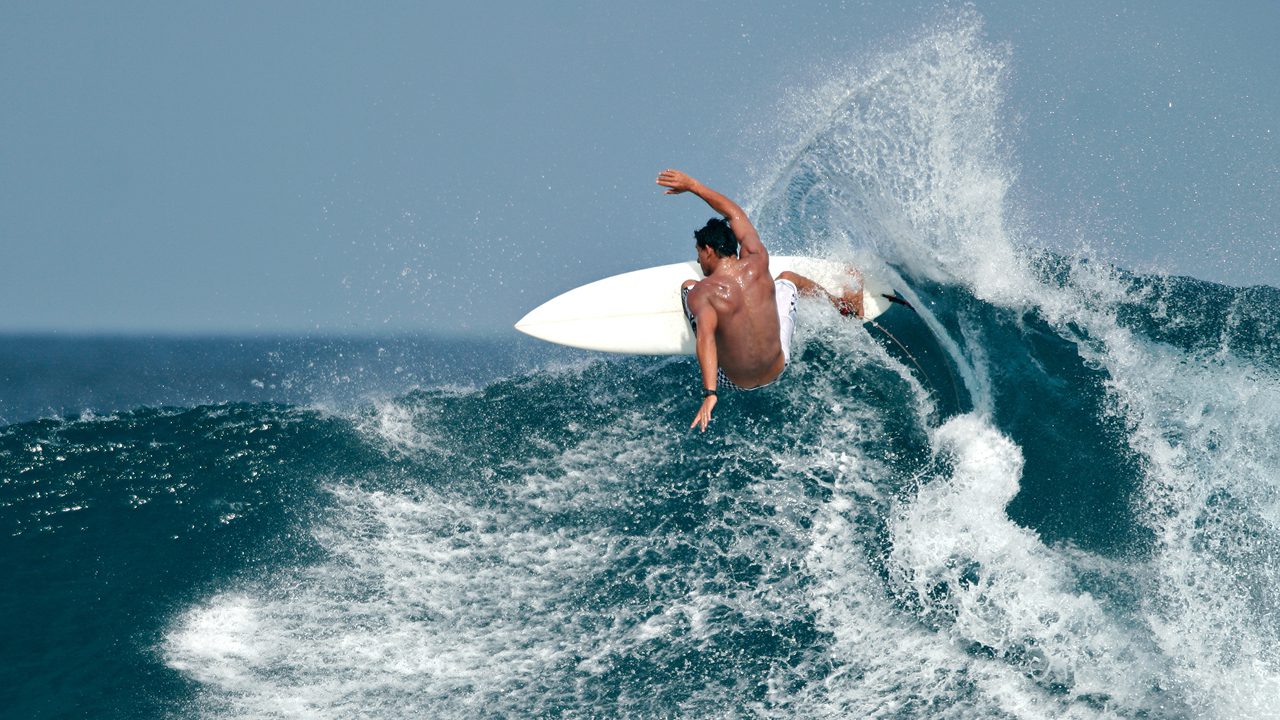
x: 717, y: 235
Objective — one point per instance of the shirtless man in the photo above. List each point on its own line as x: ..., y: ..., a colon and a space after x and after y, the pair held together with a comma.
x: 742, y: 318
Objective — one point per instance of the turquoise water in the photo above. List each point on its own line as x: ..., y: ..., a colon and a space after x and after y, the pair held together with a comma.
x: 1086, y: 528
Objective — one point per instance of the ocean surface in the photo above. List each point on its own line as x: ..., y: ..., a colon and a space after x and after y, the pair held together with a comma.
x: 444, y: 528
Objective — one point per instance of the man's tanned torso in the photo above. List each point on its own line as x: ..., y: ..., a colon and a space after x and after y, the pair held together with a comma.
x: 741, y: 292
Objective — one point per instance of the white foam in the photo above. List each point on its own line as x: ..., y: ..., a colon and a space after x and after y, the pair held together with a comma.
x: 1004, y: 589
x: 1206, y: 429
x: 425, y: 603
x: 403, y: 427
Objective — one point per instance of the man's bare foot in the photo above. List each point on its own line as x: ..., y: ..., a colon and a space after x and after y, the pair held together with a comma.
x: 850, y: 303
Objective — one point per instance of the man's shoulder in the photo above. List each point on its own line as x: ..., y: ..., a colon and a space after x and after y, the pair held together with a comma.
x: 757, y: 267
x: 756, y: 263
x: 713, y: 290
x: 701, y: 291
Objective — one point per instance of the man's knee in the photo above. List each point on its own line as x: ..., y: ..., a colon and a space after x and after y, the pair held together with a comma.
x: 688, y: 284
x: 804, y: 285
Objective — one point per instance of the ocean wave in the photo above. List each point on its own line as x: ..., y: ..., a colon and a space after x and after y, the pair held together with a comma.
x: 1082, y: 522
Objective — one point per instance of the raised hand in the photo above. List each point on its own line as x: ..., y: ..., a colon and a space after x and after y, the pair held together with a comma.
x: 677, y: 181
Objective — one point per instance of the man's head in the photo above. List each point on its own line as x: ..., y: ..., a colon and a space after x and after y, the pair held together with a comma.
x: 714, y: 241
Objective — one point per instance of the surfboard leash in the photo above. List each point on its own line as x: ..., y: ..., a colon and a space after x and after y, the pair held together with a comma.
x: 904, y: 349
x: 917, y: 363
x: 894, y: 298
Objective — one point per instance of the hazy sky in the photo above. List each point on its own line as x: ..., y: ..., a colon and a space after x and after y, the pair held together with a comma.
x: 285, y: 167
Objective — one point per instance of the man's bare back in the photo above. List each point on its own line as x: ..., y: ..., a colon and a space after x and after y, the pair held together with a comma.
x: 746, y: 336
x: 740, y: 333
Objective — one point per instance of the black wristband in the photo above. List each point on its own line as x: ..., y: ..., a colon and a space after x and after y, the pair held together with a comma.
x: 708, y: 393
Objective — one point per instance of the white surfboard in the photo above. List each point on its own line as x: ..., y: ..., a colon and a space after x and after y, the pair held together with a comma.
x: 640, y: 312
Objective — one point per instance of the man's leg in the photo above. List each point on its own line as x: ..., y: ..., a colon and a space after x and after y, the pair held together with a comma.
x: 850, y: 303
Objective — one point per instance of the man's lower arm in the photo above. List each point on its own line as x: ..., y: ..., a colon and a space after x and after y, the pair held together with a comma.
x: 717, y: 201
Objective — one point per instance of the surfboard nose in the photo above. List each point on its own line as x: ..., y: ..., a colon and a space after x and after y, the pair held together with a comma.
x: 528, y: 328
x: 536, y: 321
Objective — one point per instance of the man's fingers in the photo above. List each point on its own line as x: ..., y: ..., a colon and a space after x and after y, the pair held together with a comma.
x: 675, y: 180
x: 667, y: 177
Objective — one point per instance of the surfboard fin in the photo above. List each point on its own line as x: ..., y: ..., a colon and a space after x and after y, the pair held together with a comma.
x: 896, y: 299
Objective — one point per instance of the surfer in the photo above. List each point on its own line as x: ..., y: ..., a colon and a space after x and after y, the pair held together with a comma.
x: 743, y: 318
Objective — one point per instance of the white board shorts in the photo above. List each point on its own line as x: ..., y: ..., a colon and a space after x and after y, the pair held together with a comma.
x: 785, y: 293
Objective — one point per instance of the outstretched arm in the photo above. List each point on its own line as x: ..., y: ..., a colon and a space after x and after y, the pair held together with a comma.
x: 748, y: 239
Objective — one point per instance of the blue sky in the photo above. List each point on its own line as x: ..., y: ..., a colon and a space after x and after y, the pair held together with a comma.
x: 303, y: 167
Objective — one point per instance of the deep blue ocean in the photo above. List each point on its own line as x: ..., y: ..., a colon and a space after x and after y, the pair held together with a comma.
x: 1084, y: 524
